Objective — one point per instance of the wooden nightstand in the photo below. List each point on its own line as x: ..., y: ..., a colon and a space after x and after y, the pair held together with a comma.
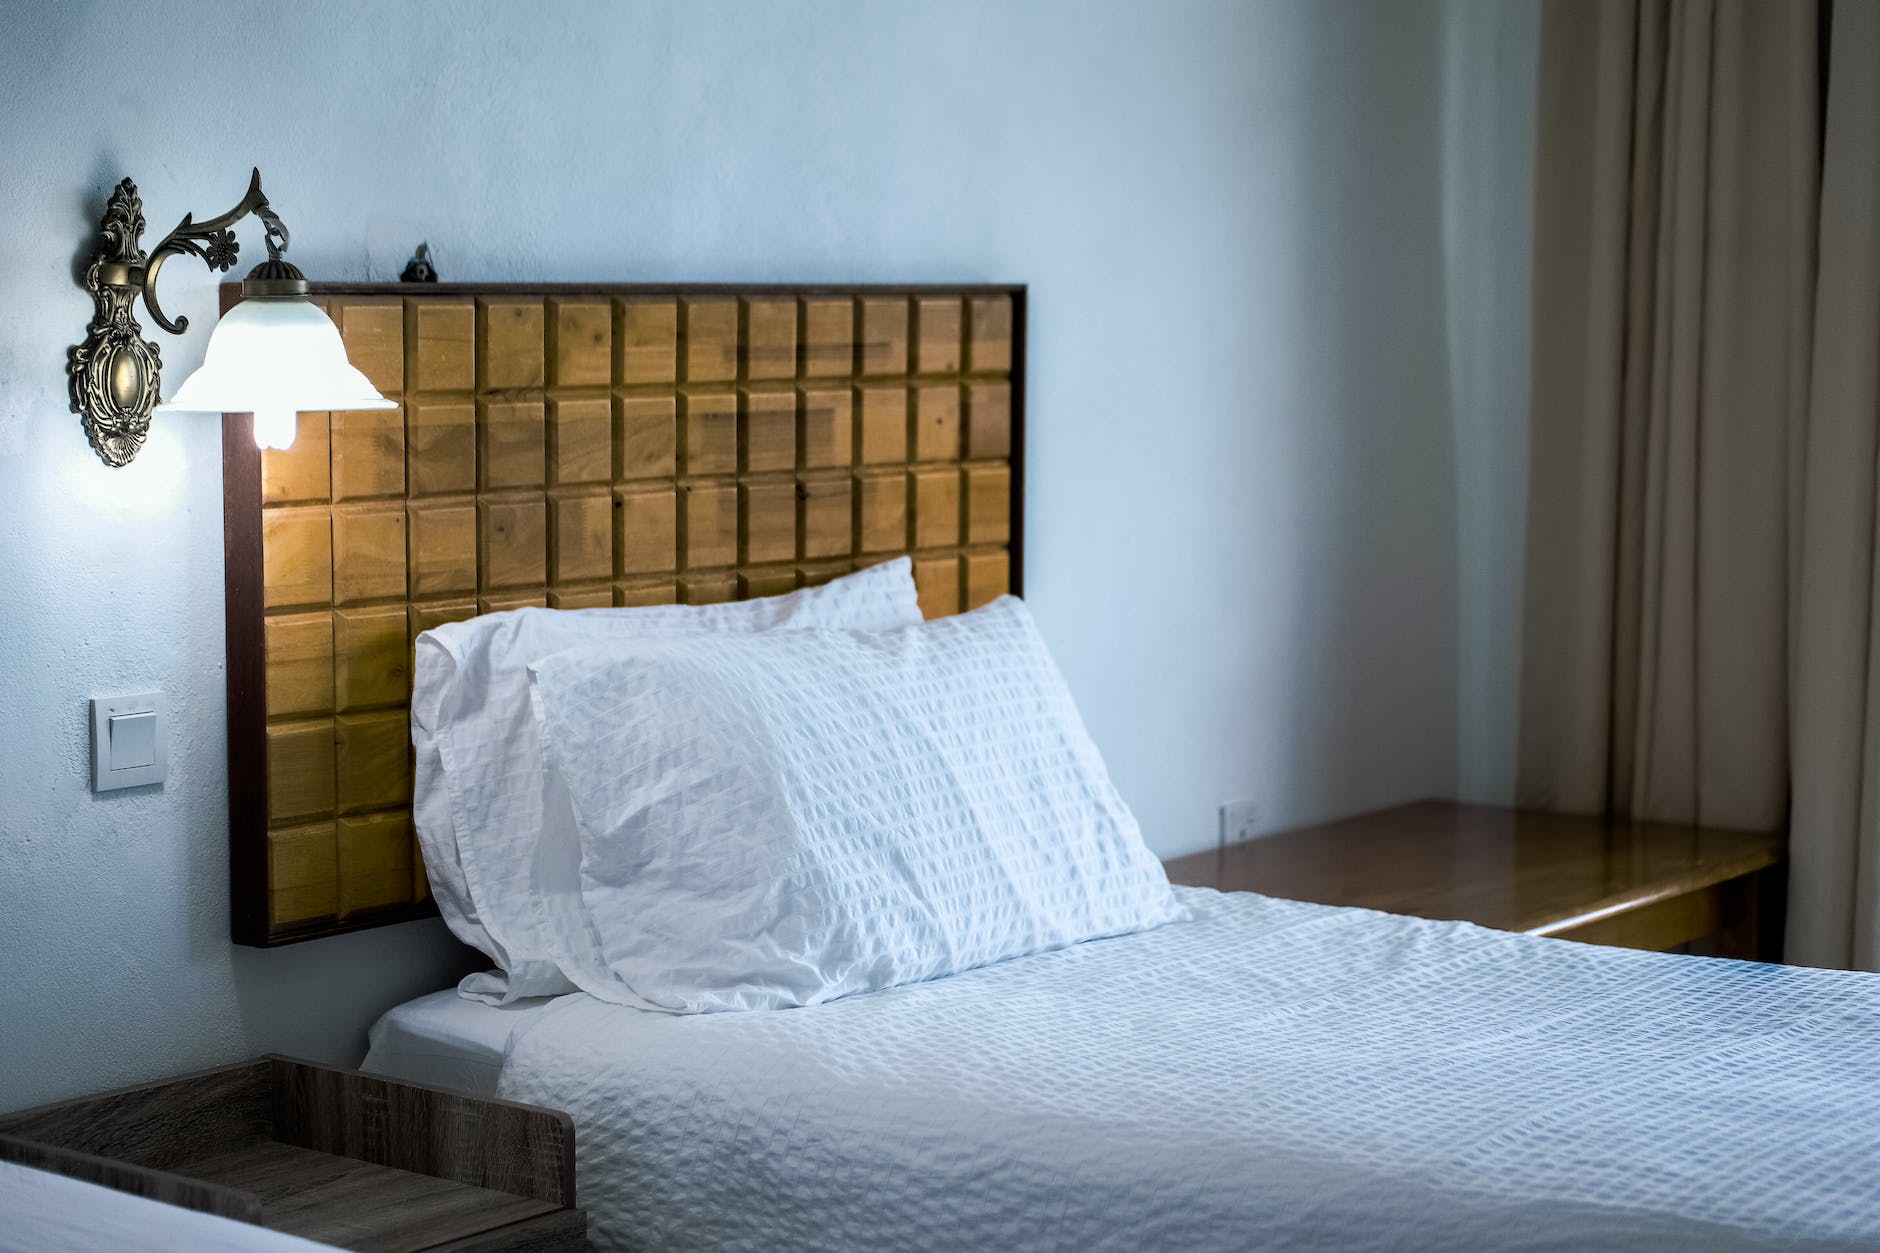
x: 352, y: 1160
x: 1633, y: 884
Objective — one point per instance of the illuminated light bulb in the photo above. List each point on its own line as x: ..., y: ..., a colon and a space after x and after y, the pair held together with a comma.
x: 274, y: 356
x: 275, y: 428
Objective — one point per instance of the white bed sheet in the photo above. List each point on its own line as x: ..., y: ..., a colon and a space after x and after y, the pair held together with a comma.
x: 1269, y: 1074
x: 447, y: 1041
x: 41, y: 1212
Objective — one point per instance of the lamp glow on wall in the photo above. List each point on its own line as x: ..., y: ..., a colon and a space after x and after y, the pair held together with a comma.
x: 272, y: 355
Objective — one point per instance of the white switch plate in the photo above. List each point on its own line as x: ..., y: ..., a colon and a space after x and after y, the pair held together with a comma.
x: 105, y: 708
x: 133, y: 741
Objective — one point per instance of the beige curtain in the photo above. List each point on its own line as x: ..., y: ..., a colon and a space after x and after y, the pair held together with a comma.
x: 1700, y: 634
x: 1674, y: 241
x: 1834, y: 834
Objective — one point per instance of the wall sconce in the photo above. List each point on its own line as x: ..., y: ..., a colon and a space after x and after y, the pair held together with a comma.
x: 272, y: 355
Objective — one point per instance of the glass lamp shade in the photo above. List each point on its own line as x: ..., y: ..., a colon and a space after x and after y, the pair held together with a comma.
x: 274, y: 356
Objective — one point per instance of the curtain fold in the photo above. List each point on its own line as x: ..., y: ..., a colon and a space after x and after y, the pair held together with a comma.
x: 1834, y: 875
x: 1675, y: 246
x: 1702, y: 612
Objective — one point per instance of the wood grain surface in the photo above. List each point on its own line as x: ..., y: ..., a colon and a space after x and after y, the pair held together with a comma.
x: 1640, y: 884
x: 572, y: 447
x: 162, y: 1126
x: 518, y: 1149
x: 353, y: 1160
x: 120, y: 1176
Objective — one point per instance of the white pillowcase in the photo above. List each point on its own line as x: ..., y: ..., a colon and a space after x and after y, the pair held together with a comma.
x: 780, y: 820
x: 479, y: 779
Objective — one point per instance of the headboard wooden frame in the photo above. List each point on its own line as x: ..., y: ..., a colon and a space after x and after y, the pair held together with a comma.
x: 576, y: 445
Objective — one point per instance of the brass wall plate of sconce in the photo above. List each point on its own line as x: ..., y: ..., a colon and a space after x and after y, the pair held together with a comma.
x: 116, y: 373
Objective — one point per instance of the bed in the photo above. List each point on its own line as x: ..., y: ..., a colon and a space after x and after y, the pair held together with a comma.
x: 805, y: 893
x: 1267, y: 1074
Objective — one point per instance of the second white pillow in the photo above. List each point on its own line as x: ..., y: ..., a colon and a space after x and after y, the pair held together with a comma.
x: 780, y: 820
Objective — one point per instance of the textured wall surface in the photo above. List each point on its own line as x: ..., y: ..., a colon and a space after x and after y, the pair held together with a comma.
x: 1491, y: 51
x: 1243, y: 498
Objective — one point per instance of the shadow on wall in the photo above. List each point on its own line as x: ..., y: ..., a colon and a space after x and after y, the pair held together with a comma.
x: 1491, y: 78
x: 1371, y: 451
x: 314, y: 999
x: 280, y: 992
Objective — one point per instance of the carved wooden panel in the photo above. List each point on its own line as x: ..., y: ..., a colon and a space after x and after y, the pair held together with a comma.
x: 576, y: 447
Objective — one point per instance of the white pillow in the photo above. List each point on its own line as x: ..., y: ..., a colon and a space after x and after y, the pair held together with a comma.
x: 780, y: 820
x: 479, y: 780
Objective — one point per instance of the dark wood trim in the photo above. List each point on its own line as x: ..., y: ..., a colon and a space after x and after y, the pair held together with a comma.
x: 1772, y: 912
x: 645, y: 289
x: 562, y: 1231
x: 246, y: 673
x: 358, y: 920
x: 1016, y: 545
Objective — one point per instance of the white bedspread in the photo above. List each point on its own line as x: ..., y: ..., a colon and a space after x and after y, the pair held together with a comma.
x: 446, y: 1040
x: 1269, y: 1075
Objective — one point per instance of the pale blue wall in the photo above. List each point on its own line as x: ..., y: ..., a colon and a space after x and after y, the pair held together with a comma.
x: 1243, y: 499
x: 1490, y: 79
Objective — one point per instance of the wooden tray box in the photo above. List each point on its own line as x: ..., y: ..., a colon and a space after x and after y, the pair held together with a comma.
x: 332, y: 1155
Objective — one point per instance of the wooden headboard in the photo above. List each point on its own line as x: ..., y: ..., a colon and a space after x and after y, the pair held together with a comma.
x: 575, y: 446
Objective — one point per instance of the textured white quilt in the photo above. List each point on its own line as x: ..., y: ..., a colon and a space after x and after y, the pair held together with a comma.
x: 1268, y: 1075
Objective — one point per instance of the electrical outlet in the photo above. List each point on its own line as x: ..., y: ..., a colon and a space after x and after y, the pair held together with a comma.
x: 1240, y: 821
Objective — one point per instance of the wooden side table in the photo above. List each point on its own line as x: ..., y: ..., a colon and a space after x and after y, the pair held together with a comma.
x: 1632, y: 884
x: 351, y: 1160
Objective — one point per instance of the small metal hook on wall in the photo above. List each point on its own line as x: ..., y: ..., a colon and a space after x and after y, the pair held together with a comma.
x: 419, y: 269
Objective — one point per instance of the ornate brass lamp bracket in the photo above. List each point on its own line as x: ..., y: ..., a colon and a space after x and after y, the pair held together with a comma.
x: 116, y: 373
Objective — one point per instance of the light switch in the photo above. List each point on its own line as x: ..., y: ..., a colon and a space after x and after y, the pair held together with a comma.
x: 133, y: 740
x: 127, y: 741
